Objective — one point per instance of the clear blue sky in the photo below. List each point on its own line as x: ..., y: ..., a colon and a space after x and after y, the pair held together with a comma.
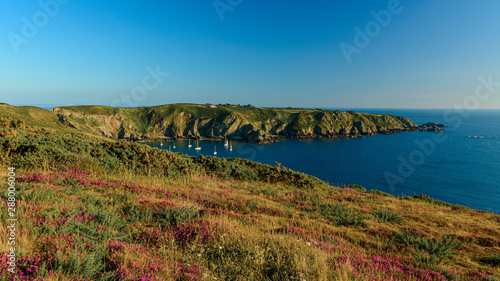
x: 265, y: 53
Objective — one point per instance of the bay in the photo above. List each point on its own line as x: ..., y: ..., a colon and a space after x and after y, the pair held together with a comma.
x: 460, y: 170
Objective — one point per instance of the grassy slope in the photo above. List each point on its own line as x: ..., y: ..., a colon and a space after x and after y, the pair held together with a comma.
x: 38, y: 117
x: 116, y: 211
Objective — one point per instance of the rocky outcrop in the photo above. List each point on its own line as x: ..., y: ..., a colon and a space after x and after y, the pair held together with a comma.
x: 433, y: 127
x: 259, y: 125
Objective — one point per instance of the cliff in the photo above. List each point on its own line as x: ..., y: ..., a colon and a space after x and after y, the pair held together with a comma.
x: 253, y: 124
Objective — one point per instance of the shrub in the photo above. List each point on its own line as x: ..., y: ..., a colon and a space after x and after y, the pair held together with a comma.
x: 93, y: 265
x: 381, y: 193
x: 428, y: 199
x: 341, y: 215
x: 134, y: 213
x: 357, y: 187
x: 387, y: 216
x: 439, y: 247
x: 493, y: 260
x: 407, y: 237
x: 428, y: 253
x: 30, y: 149
x: 174, y: 216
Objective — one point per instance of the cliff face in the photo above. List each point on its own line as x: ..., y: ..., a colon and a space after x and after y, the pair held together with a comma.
x: 249, y: 123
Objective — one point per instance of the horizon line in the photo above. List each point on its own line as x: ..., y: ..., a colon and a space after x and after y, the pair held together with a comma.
x: 283, y: 106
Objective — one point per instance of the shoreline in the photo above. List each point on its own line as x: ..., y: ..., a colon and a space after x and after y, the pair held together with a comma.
x: 278, y: 138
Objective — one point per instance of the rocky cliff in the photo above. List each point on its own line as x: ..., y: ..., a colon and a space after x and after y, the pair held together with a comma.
x: 253, y: 124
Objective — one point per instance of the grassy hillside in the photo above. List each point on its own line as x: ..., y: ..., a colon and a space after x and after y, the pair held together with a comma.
x: 94, y: 209
x: 36, y: 117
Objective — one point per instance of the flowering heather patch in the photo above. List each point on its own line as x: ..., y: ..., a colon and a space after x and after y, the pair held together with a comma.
x: 326, y: 246
x: 379, y: 232
x: 478, y: 275
x: 143, y: 266
x: 75, y: 178
x: 270, y: 211
x: 379, y: 268
x: 202, y: 231
x: 293, y: 202
x: 187, y: 271
x: 78, y: 177
x: 147, y: 204
x: 28, y: 266
x: 151, y: 237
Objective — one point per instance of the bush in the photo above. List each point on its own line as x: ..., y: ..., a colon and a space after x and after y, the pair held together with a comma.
x: 407, y: 237
x: 428, y: 199
x: 30, y: 149
x: 174, y: 216
x: 381, y: 193
x: 387, y: 216
x: 341, y: 215
x: 90, y: 266
x: 357, y: 187
x: 493, y: 260
x: 428, y: 253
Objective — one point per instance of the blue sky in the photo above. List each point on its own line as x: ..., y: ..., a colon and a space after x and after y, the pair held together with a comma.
x: 285, y: 53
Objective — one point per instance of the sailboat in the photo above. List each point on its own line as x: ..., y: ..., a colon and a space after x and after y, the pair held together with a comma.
x: 161, y: 143
x: 230, y: 146
x: 197, y: 145
x: 215, y: 151
x: 174, y: 144
x: 189, y: 143
x: 225, y: 141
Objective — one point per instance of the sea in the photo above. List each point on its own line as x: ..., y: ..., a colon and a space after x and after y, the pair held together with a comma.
x: 459, y: 166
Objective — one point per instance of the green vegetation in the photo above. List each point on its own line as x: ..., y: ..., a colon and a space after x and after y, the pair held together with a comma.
x: 341, y: 215
x: 357, y: 187
x: 494, y: 259
x: 387, y: 216
x: 90, y: 208
x: 428, y: 199
x: 378, y: 192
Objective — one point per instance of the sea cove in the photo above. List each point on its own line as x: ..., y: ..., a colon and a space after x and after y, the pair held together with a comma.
x: 460, y: 170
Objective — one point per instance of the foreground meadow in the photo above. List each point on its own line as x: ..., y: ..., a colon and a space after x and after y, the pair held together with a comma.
x: 92, y: 209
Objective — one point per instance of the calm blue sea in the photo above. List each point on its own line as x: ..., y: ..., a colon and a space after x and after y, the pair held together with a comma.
x: 453, y: 167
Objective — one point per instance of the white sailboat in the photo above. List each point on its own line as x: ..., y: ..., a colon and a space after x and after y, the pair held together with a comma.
x: 197, y: 145
x: 174, y: 144
x: 225, y: 141
x: 230, y: 146
x: 161, y: 143
x: 215, y: 151
x: 189, y: 143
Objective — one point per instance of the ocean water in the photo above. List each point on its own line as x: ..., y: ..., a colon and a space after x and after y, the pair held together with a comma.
x: 449, y: 166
